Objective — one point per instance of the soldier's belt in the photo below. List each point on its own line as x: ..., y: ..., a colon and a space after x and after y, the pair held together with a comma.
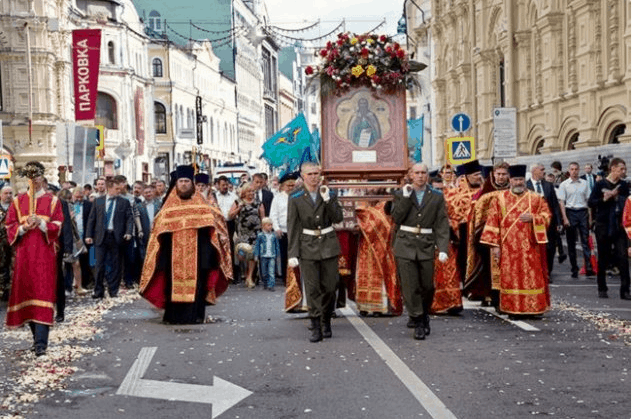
x: 318, y: 232
x: 416, y: 230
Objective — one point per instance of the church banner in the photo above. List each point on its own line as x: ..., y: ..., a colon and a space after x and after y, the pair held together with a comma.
x: 86, y: 45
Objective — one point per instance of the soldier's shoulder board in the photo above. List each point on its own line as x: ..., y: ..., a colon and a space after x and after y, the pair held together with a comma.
x: 297, y: 194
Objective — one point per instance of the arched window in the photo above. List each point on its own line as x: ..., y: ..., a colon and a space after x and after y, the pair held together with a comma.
x: 571, y: 142
x: 156, y: 65
x: 616, y: 132
x: 106, y: 111
x: 539, y: 143
x: 160, y: 118
x: 111, y: 53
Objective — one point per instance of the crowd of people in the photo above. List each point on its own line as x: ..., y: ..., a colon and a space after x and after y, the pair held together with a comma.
x: 486, y: 233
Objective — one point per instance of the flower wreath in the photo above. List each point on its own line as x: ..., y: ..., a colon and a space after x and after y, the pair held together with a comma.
x: 363, y: 60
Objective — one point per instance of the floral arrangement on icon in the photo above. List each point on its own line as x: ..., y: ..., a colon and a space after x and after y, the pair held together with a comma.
x: 369, y: 60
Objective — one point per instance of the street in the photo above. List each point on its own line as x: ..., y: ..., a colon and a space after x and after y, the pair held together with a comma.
x: 254, y: 361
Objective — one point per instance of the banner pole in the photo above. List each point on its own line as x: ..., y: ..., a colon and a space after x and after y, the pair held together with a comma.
x: 85, y: 150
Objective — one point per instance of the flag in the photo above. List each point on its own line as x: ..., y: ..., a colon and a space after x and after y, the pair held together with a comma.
x: 316, y: 145
x: 415, y: 138
x: 290, y: 146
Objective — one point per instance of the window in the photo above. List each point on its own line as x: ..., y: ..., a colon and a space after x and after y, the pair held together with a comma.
x: 160, y: 118
x: 156, y: 65
x: 106, y: 111
x: 212, y: 129
x: 111, y: 53
x: 270, y: 121
x: 154, y: 21
x: 613, y: 138
x: 269, y: 73
x: 571, y: 142
x: 413, y: 112
x: 539, y: 144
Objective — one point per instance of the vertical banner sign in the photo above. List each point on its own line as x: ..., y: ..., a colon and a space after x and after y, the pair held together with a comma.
x: 86, y: 45
x: 199, y: 119
x: 505, y: 133
x: 139, y: 109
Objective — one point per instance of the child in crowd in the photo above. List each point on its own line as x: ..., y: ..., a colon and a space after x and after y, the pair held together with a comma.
x: 268, y: 252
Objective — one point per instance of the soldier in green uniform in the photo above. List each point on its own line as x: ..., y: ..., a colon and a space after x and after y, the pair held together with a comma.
x: 422, y: 225
x: 312, y: 209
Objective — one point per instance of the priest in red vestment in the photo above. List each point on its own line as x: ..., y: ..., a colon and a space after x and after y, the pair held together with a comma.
x: 188, y: 263
x: 33, y: 224
x: 516, y: 229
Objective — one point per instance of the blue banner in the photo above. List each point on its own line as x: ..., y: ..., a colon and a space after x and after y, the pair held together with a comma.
x: 415, y: 138
x: 291, y: 146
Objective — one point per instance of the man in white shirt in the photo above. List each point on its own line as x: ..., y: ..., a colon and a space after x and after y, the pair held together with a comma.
x: 573, y: 195
x: 278, y: 214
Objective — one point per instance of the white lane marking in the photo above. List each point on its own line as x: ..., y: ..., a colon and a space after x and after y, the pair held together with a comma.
x: 419, y: 390
x: 572, y: 285
x: 475, y: 305
x: 222, y: 395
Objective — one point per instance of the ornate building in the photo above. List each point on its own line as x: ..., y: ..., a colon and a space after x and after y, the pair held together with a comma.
x: 563, y: 64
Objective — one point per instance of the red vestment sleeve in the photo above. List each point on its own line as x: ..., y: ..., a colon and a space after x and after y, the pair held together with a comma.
x: 627, y: 218
x: 491, y: 231
x: 12, y: 222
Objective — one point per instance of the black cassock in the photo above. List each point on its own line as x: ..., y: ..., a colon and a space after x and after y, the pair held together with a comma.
x: 188, y: 313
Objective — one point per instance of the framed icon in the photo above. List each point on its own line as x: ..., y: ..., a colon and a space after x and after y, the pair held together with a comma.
x: 364, y: 134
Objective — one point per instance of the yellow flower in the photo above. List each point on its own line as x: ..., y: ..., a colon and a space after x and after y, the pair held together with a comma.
x: 370, y: 70
x: 357, y: 70
x: 354, y: 41
x: 370, y: 41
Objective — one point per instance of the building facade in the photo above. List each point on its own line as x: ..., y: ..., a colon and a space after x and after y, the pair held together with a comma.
x: 563, y: 65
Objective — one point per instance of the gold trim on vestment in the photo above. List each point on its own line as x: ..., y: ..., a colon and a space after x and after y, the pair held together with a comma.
x: 523, y: 292
x: 37, y: 303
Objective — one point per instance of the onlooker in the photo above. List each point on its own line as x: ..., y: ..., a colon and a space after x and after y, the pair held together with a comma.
x: 6, y: 253
x: 278, y: 215
x: 87, y: 190
x: 81, y: 209
x: 109, y: 229
x: 262, y: 195
x: 248, y: 213
x: 573, y: 195
x: 274, y: 188
x: 148, y: 211
x: 64, y: 265
x: 161, y: 189
x: 99, y: 187
x: 589, y: 177
x: 607, y: 201
x: 267, y: 252
x: 137, y: 191
x: 131, y: 272
x: 547, y: 191
x: 556, y: 169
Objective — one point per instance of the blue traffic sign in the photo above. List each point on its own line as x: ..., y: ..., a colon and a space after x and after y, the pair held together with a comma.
x: 461, y: 122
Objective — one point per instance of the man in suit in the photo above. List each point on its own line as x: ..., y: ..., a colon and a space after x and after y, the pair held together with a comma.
x: 148, y: 210
x: 547, y: 191
x: 109, y: 229
x: 82, y: 208
x: 589, y: 177
x: 422, y: 224
x: 262, y: 195
x: 312, y: 210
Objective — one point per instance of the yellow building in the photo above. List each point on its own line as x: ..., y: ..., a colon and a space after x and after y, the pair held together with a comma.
x: 564, y: 65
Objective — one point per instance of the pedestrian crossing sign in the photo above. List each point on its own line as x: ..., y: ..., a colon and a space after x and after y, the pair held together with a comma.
x: 6, y: 166
x: 460, y: 150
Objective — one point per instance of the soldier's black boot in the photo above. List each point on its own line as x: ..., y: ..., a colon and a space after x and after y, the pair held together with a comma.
x: 317, y: 334
x: 426, y: 323
x: 327, y: 326
x: 411, y: 323
x: 420, y: 333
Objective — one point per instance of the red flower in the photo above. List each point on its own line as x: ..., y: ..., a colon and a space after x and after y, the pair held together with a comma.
x: 309, y: 70
x: 364, y: 52
x: 340, y: 42
x: 330, y: 70
x: 323, y: 52
x: 383, y: 38
x: 376, y: 79
x: 388, y: 50
x: 329, y: 44
x: 401, y: 53
x: 396, y: 46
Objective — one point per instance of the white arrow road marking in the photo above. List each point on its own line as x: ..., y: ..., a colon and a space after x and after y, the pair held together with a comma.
x: 420, y: 391
x: 222, y: 394
x: 470, y: 305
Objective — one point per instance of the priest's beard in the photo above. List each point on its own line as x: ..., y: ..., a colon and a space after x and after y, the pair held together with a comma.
x: 518, y: 190
x: 187, y: 194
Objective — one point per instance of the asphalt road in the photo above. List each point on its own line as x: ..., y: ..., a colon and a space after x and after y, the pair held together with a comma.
x: 474, y: 365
